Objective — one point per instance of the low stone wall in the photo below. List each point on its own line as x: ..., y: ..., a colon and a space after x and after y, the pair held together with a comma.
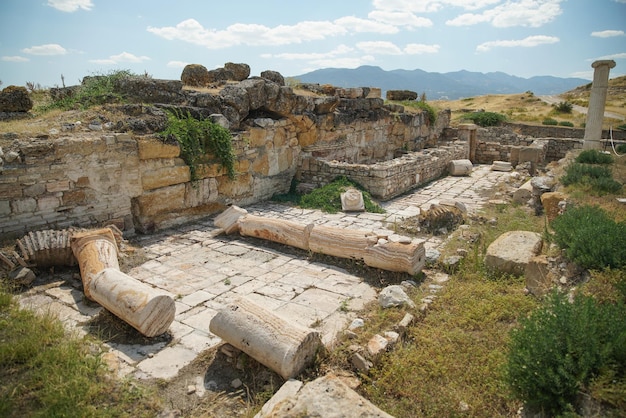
x: 387, y: 179
x: 563, y: 132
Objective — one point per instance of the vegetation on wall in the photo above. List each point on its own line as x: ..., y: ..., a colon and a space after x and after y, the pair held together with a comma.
x: 423, y: 105
x: 96, y: 89
x: 197, y: 138
x: 328, y: 197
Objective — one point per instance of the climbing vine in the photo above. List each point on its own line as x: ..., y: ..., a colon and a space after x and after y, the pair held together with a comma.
x: 197, y: 138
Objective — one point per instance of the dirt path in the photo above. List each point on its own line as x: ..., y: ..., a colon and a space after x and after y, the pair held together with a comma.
x: 580, y: 109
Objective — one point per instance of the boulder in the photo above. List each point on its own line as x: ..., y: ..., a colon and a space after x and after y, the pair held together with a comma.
x: 274, y: 76
x: 149, y: 90
x: 326, y: 396
x: 550, y: 202
x: 15, y: 99
x: 511, y: 251
x: 394, y: 295
x: 537, y: 275
x: 195, y: 75
x: 239, y: 71
x: 220, y: 74
x: 401, y: 95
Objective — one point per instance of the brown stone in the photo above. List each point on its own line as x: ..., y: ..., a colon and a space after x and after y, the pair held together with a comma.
x: 239, y: 71
x: 195, y: 75
x: 165, y: 176
x: 550, y: 202
x: 151, y: 148
x: 165, y: 199
x: 15, y: 99
x: 538, y: 280
x: 237, y: 188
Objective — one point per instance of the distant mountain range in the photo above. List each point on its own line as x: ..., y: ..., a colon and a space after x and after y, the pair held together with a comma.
x: 447, y: 86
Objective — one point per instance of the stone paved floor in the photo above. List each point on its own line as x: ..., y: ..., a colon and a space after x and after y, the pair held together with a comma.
x: 203, y: 273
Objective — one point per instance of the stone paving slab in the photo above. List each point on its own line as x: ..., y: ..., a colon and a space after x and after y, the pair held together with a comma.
x: 203, y: 273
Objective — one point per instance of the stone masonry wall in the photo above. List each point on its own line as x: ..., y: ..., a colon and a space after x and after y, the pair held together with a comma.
x: 69, y: 181
x: 388, y: 179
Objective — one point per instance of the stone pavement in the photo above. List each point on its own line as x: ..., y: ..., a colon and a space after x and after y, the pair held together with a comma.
x: 203, y: 273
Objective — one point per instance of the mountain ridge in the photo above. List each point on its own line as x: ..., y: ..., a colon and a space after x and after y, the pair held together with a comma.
x: 451, y: 86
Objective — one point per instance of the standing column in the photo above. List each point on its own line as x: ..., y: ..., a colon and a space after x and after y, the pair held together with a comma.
x: 597, y: 100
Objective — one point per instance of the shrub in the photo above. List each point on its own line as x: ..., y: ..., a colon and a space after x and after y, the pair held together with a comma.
x: 590, y: 237
x: 328, y: 198
x: 621, y: 127
x: 432, y: 115
x: 597, y: 177
x: 566, y: 123
x: 197, y: 138
x: 549, y: 121
x: 621, y: 148
x: 593, y: 156
x: 564, y: 107
x: 561, y: 347
x: 485, y: 118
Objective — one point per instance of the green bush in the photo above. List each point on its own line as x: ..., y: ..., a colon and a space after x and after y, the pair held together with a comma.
x: 590, y: 237
x: 197, y: 138
x: 566, y: 123
x: 564, y: 107
x: 593, y: 156
x: 621, y: 127
x: 485, y: 118
x: 95, y: 90
x: 621, y: 148
x: 561, y: 347
x: 550, y: 121
x: 328, y: 198
x: 598, y: 177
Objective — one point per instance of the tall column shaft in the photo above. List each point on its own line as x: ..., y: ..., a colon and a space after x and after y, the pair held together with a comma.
x: 597, y: 101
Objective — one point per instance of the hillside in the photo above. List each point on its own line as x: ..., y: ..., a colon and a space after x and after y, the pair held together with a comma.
x: 449, y: 86
x: 530, y: 108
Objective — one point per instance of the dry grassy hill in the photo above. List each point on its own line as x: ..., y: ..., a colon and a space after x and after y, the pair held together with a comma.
x: 528, y: 108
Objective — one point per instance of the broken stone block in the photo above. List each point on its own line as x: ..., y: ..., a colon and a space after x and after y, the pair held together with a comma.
x: 523, y: 194
x: 460, y: 167
x: 360, y: 363
x: 394, y: 295
x: 550, y: 202
x: 538, y: 280
x: 22, y: 276
x: 352, y: 201
x: 501, y: 166
x: 511, y: 251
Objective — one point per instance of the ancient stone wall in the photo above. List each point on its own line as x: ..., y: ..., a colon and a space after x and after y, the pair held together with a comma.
x: 386, y: 179
x: 69, y: 181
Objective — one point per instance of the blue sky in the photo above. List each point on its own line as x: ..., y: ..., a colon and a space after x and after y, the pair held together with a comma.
x: 40, y: 40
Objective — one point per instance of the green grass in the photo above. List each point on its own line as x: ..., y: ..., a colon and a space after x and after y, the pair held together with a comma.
x: 328, y: 198
x: 44, y: 372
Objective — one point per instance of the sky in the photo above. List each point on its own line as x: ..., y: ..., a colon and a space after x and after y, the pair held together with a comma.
x: 58, y: 42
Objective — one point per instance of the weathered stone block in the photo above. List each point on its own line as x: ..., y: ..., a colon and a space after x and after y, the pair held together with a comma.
x: 149, y: 148
x: 165, y: 176
x: 165, y: 199
x: 538, y: 280
x: 550, y: 202
x: 236, y: 188
x: 511, y: 251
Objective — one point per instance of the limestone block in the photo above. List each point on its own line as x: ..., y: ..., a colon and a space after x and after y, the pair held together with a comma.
x: 239, y: 187
x: 165, y: 176
x: 326, y: 396
x: 285, y: 347
x: 152, y: 148
x: 511, y: 251
x: 229, y: 219
x: 165, y: 199
x: 550, y: 202
x: 532, y: 154
x: 501, y: 166
x: 538, y: 280
x: 394, y: 295
x: 460, y: 167
x: 523, y: 193
x: 352, y: 201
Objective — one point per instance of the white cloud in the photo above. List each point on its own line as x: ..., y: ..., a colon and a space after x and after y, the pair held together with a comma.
x: 47, y: 49
x: 70, y: 5
x: 608, y: 33
x: 177, y: 64
x: 417, y: 49
x: 429, y: 6
x: 530, y: 41
x: 308, y: 56
x: 400, y: 19
x: 14, y: 58
x: 379, y: 47
x: 192, y: 31
x: 618, y: 56
x: 532, y: 13
x: 119, y: 58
